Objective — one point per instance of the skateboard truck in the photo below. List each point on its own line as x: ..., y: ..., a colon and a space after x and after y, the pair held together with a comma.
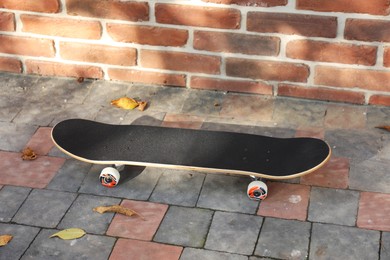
x: 257, y: 189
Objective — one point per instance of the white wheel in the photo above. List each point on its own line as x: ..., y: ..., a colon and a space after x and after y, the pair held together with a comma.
x: 109, y: 177
x: 257, y: 190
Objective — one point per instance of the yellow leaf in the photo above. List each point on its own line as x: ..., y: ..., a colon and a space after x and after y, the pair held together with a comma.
x: 70, y: 233
x: 28, y: 154
x: 117, y: 209
x: 4, y: 239
x: 125, y: 103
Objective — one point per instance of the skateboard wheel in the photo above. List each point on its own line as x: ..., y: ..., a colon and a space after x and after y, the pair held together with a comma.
x: 257, y: 190
x: 109, y: 177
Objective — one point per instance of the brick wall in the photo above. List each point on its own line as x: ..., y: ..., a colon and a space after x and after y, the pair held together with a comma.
x: 335, y: 50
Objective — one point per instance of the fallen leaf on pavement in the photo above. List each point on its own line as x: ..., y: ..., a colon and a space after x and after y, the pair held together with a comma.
x: 125, y: 103
x: 4, y: 239
x: 28, y: 154
x: 70, y: 233
x: 142, y: 105
x: 386, y: 127
x: 117, y: 209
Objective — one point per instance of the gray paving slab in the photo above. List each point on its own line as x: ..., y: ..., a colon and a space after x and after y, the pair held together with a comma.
x: 44, y: 208
x: 101, y: 93
x: 70, y: 176
x: 138, y: 188
x: 370, y: 175
x: 203, y: 103
x: 233, y: 233
x: 184, y: 226
x: 11, y: 199
x: 87, y: 247
x: 284, y: 239
x: 153, y: 118
x: 378, y: 116
x: 16, y: 85
x: 294, y: 112
x: 333, y: 206
x: 13, y: 137
x: 195, y: 254
x: 81, y: 214
x: 22, y: 238
x: 85, y: 111
x: 10, y: 107
x: 227, y: 193
x: 358, y: 145
x: 340, y: 242
x: 385, y: 246
x: 38, y: 113
x: 177, y: 187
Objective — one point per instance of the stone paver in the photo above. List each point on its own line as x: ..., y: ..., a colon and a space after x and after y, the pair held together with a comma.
x: 342, y: 116
x: 288, y: 201
x: 41, y: 141
x: 184, y: 227
x: 204, y: 103
x: 44, y: 208
x: 142, y: 226
x: 370, y: 175
x: 22, y: 238
x: 333, y: 206
x: 339, y: 242
x: 13, y: 137
x: 233, y: 233
x: 187, y: 188
x: 87, y: 247
x: 385, y: 246
x: 182, y: 121
x: 292, y: 238
x: 374, y: 211
x: 134, y: 249
x: 195, y: 254
x: 11, y: 199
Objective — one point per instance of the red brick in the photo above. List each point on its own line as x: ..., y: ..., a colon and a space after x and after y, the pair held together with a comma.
x: 182, y: 121
x: 231, y: 85
x: 133, y: 249
x: 299, y: 24
x: 380, y: 100
x: 376, y: 7
x: 61, y: 27
x: 374, y: 211
x: 180, y: 61
x: 60, y: 69
x: 235, y: 42
x: 367, y: 30
x: 334, y: 174
x: 148, y: 77
x: 10, y: 65
x: 332, y: 52
x: 27, y: 46
x: 35, y: 174
x: 266, y: 70
x: 41, y: 142
x: 149, y: 35
x: 44, y: 6
x: 288, y: 201
x: 386, y: 57
x: 256, y: 3
x: 98, y: 53
x: 226, y: 18
x: 7, y: 22
x: 353, y: 78
x: 327, y: 94
x: 109, y: 9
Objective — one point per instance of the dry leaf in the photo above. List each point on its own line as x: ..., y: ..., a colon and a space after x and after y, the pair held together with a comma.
x: 142, y: 105
x: 4, y: 239
x: 386, y: 127
x: 80, y: 79
x: 125, y: 103
x: 28, y: 154
x: 117, y: 209
x: 70, y: 233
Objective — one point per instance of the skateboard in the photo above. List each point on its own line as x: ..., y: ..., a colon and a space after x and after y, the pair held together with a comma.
x: 257, y: 156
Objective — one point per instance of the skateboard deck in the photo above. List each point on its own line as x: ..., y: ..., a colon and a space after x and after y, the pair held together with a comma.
x: 210, y: 151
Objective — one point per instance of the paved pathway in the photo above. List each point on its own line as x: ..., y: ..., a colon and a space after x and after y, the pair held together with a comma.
x: 340, y: 212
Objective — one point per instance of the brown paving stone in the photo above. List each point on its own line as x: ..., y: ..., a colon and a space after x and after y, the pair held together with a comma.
x: 288, y: 201
x: 334, y: 174
x: 133, y: 249
x: 34, y: 174
x: 374, y: 211
x: 242, y: 107
x: 313, y: 132
x: 41, y: 141
x: 135, y: 227
x: 349, y: 117
x: 182, y: 121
